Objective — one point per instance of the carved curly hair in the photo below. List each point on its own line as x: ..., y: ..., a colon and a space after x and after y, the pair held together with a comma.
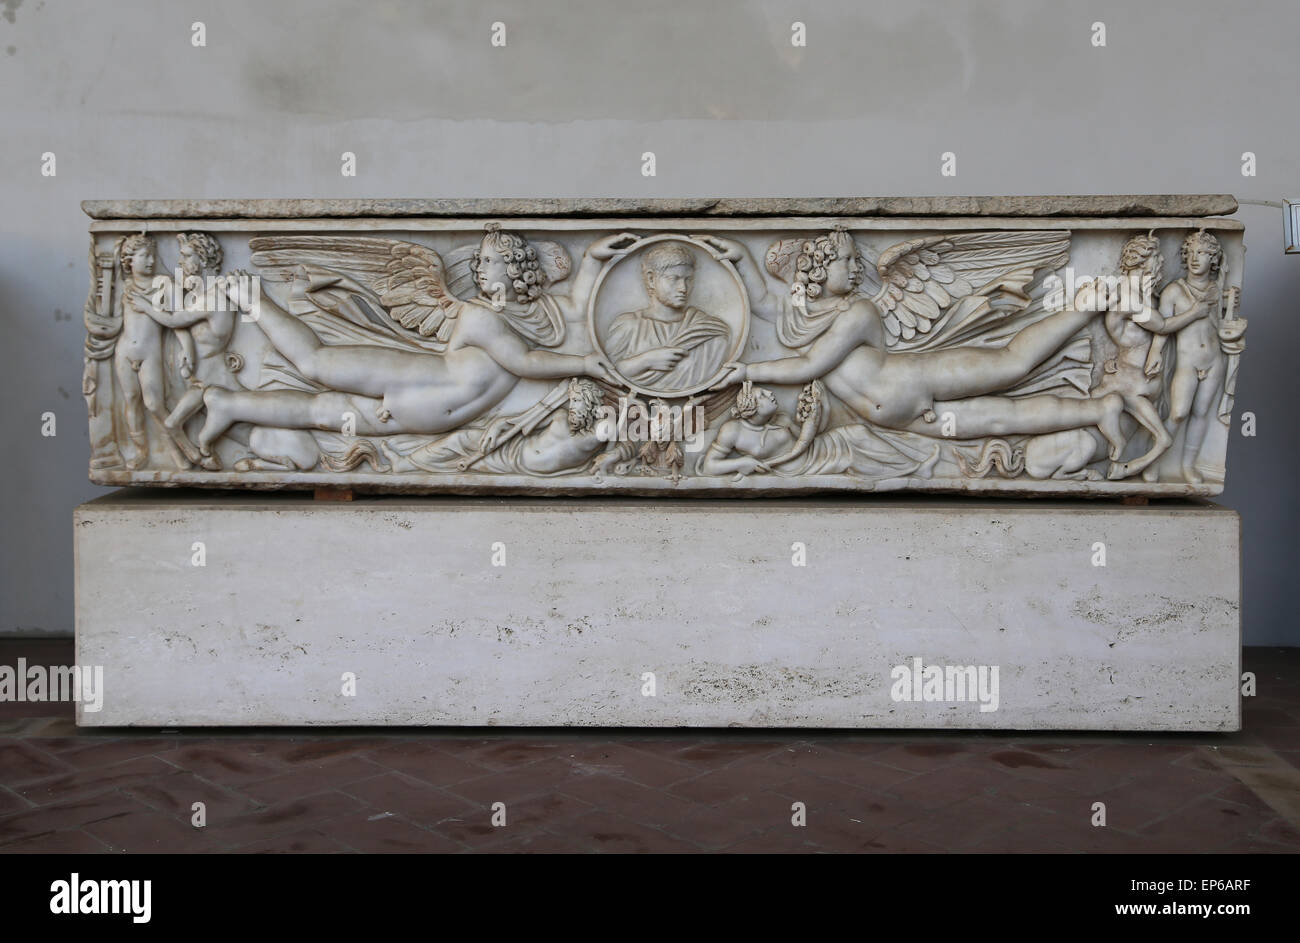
x: 746, y: 403
x: 816, y: 255
x: 205, y: 246
x: 522, y: 265
x: 128, y: 247
x: 585, y: 399
x: 1210, y: 242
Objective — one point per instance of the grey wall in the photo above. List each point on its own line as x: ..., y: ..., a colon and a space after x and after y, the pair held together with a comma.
x: 1015, y: 89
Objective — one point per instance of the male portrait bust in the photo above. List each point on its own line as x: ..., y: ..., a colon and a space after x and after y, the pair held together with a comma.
x: 668, y: 345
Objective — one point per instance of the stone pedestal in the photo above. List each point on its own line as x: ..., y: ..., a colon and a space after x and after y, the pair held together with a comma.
x: 261, y: 609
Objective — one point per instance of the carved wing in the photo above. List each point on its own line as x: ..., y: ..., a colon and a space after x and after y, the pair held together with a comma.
x: 922, y: 279
x: 406, y: 279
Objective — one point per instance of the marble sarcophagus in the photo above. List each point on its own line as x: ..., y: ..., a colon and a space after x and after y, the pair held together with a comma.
x: 1035, y: 345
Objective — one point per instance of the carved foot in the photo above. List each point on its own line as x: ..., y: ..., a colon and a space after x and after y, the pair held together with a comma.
x: 182, y: 441
x: 109, y: 458
x: 1192, y: 476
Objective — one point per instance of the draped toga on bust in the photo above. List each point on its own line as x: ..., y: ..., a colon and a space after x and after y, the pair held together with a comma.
x: 705, y: 338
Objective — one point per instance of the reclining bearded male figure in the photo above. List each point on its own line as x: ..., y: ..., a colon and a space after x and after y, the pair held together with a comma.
x: 483, y: 346
x: 842, y: 338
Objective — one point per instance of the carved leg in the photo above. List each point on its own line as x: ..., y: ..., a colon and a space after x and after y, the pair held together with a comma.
x: 133, y: 406
x: 370, y: 371
x: 1140, y: 408
x: 962, y: 373
x: 287, y: 409
x: 1203, y: 408
x: 1031, y: 415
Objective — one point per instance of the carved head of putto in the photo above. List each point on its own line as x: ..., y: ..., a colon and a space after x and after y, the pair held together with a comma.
x: 1202, y: 241
x: 137, y: 247
x: 505, y: 258
x: 813, y: 264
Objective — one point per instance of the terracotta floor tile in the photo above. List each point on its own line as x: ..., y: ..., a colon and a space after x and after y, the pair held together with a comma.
x: 321, y: 749
x: 728, y: 782
x: 419, y: 801
x: 943, y: 787
x: 859, y: 770
x: 65, y: 815
x: 727, y: 823
x: 228, y: 763
x: 1205, y: 825
x: 714, y: 754
x: 68, y: 842
x: 176, y: 792
x: 282, y: 818
x: 89, y: 782
x: 309, y: 778
x: 539, y: 843
x: 1018, y: 840
x: 21, y: 763
x: 475, y: 829
x: 151, y: 833
x: 653, y: 807
x: 626, y: 761
x: 553, y: 774
x: 824, y: 798
x: 895, y: 843
x: 307, y: 841
x: 385, y: 834
x: 790, y: 840
x: 96, y: 753
x: 607, y: 833
x: 924, y: 756
x: 502, y: 754
x: 427, y: 761
x: 1282, y: 832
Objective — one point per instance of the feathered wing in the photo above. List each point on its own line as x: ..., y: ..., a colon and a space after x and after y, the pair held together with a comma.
x: 927, y: 283
x: 405, y: 280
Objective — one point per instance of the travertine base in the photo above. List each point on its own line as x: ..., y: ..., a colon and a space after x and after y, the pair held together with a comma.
x: 595, y: 596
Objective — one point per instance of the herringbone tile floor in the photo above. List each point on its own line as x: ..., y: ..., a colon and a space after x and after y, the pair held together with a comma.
x: 66, y: 790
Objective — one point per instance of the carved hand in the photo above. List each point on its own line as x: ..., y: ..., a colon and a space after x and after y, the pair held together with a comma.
x: 236, y: 292
x: 609, y: 246
x: 595, y: 365
x: 727, y: 250
x: 661, y: 359
x: 735, y: 374
x: 494, y: 433
x: 142, y: 302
